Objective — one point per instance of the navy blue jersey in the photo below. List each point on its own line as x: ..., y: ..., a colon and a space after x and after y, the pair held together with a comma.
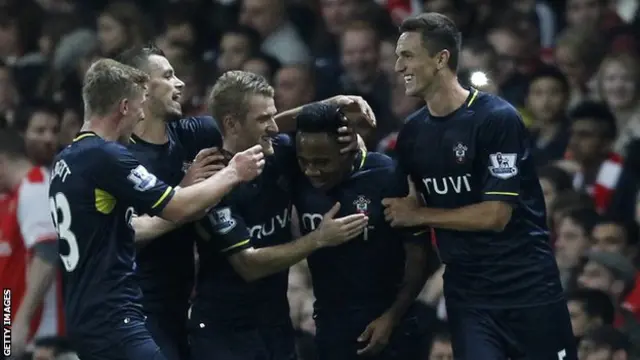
x: 168, y: 288
x: 482, y: 152
x: 255, y: 214
x: 366, y: 271
x: 96, y: 186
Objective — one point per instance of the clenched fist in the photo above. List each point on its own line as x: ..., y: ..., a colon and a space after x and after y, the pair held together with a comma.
x: 248, y: 164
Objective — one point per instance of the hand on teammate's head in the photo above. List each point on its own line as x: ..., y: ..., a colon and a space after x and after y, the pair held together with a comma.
x: 356, y: 109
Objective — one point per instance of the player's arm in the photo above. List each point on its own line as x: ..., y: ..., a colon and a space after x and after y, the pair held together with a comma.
x: 502, y: 133
x: 148, y: 228
x: 38, y: 232
x: 255, y: 263
x: 286, y: 120
x: 123, y: 176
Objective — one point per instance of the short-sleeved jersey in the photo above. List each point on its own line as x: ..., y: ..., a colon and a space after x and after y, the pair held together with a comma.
x: 365, y: 272
x: 482, y: 152
x: 255, y: 214
x: 96, y: 187
x: 166, y: 265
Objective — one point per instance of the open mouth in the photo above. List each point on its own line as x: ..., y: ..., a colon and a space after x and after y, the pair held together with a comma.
x: 176, y: 96
x: 408, y: 78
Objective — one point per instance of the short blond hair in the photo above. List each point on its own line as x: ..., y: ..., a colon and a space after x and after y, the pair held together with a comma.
x: 107, y: 82
x: 231, y: 92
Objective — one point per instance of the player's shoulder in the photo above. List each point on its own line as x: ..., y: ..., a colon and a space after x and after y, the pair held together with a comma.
x: 195, y: 124
x: 376, y: 161
x: 493, y: 108
x: 415, y: 118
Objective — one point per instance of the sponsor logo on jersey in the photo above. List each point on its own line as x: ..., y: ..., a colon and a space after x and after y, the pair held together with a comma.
x: 503, y: 166
x: 142, y: 179
x: 454, y: 184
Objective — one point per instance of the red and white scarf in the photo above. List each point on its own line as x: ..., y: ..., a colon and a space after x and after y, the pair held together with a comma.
x: 606, y: 181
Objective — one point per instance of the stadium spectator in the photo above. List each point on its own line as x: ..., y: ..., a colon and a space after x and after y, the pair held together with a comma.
x: 39, y: 124
x: 440, y: 348
x: 573, y: 240
x: 589, y: 310
x: 52, y: 348
x: 605, y: 343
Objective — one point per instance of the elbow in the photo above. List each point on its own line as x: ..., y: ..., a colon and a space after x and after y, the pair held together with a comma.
x: 501, y: 215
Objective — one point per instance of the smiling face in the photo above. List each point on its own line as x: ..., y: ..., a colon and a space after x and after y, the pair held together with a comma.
x: 165, y: 89
x: 259, y: 126
x: 415, y: 64
x: 320, y: 159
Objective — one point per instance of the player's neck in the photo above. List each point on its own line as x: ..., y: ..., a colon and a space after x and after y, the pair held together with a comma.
x: 103, y: 127
x: 230, y: 144
x: 152, y: 130
x: 20, y: 169
x: 446, y: 96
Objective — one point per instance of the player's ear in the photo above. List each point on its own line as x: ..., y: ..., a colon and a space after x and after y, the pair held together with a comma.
x: 229, y: 124
x: 123, y: 107
x: 443, y: 59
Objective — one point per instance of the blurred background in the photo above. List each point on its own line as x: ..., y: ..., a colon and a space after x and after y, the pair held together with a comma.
x: 569, y: 66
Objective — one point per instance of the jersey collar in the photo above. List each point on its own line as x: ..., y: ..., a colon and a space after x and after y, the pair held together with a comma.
x: 83, y: 135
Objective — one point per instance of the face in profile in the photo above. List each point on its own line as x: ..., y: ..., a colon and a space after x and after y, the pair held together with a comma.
x: 259, y: 127
x: 320, y: 159
x: 165, y: 89
x: 415, y: 64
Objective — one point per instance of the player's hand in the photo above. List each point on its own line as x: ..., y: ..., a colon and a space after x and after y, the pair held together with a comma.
x: 207, y: 162
x: 377, y: 334
x: 355, y: 108
x: 333, y: 232
x: 249, y: 163
x: 400, y: 212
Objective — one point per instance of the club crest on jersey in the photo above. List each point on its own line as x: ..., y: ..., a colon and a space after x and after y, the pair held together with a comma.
x: 503, y: 166
x: 460, y: 152
x: 221, y: 220
x: 362, y: 204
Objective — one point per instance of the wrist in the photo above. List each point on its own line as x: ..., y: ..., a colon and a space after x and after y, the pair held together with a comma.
x: 231, y: 175
x: 316, y: 239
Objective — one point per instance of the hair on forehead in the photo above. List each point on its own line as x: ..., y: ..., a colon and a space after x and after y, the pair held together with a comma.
x: 438, y: 33
x: 319, y: 118
x: 107, y: 83
x: 138, y: 57
x: 597, y: 112
x: 231, y: 92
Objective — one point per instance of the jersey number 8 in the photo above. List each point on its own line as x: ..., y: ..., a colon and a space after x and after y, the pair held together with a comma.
x: 61, y: 214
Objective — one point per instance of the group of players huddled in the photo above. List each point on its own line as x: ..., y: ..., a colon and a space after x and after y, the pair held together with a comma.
x: 140, y: 184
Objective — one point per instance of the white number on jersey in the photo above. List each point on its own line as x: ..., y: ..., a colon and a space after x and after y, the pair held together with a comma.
x: 61, y: 214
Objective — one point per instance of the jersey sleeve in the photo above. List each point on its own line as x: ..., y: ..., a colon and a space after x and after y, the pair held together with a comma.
x: 197, y: 133
x: 502, y: 145
x: 120, y: 174
x: 228, y: 229
x: 34, y: 216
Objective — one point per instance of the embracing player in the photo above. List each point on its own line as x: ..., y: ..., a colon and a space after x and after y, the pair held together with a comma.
x: 241, y: 310
x: 364, y: 289
x: 96, y: 187
x: 179, y: 151
x: 469, y: 155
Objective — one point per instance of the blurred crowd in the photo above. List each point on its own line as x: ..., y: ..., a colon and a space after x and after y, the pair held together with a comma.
x: 570, y: 67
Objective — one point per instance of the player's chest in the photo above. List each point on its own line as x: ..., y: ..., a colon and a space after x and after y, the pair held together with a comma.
x: 168, y: 163
x: 444, y: 160
x: 312, y: 204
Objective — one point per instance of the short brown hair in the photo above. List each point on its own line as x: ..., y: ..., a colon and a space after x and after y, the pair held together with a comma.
x: 438, y: 33
x: 107, y: 82
x: 231, y: 92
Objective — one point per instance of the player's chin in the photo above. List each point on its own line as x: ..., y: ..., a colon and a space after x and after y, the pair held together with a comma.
x: 267, y: 146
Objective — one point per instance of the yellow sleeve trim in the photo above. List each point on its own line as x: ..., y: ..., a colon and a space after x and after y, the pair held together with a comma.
x: 164, y: 196
x: 241, y: 243
x: 420, y: 232
x: 501, y: 193
x: 83, y: 136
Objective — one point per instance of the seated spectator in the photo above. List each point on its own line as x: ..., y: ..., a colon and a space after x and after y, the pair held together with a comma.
x: 589, y: 309
x: 547, y: 100
x: 605, y: 343
x: 622, y: 237
x: 593, y: 130
x: 564, y: 202
x: 614, y: 274
x: 573, y: 241
x: 440, y: 348
x: 263, y: 65
x: 553, y: 181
